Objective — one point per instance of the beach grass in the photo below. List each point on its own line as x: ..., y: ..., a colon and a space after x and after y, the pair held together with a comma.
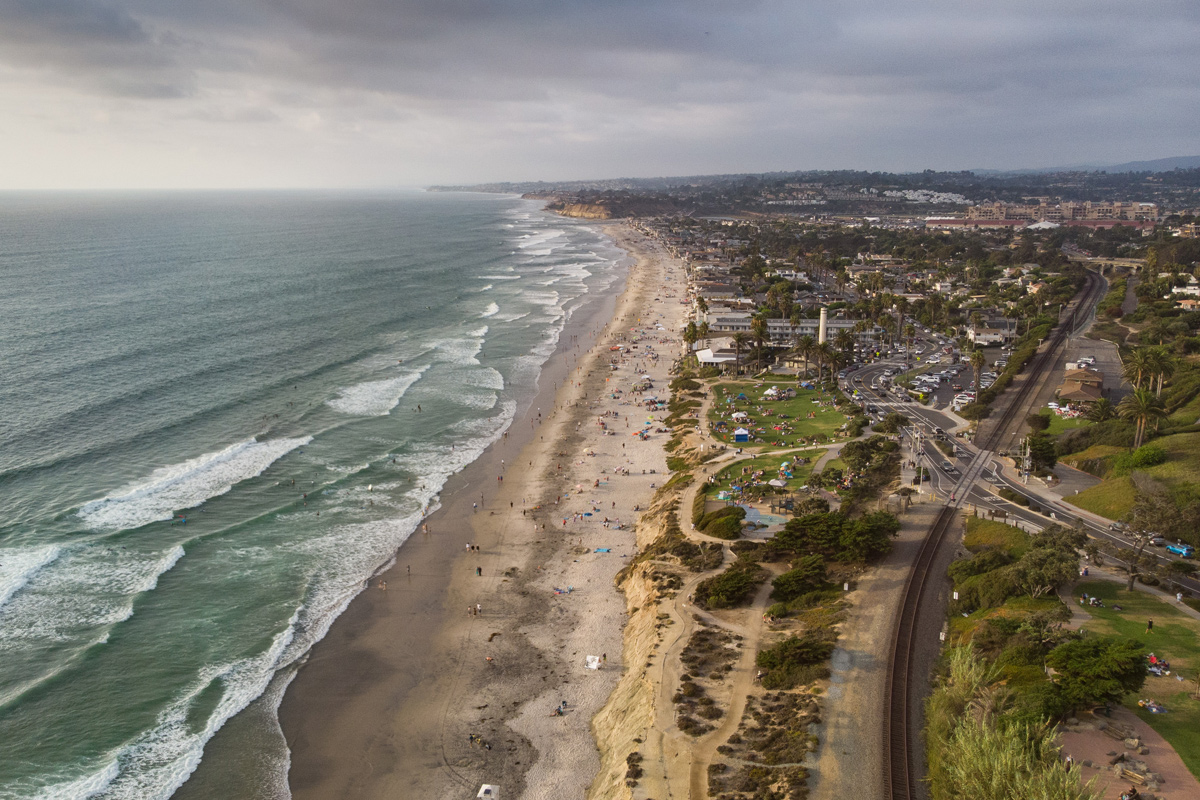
x: 1176, y: 638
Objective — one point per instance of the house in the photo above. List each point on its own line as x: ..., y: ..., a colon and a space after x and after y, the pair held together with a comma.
x: 987, y: 336
x: 1082, y: 386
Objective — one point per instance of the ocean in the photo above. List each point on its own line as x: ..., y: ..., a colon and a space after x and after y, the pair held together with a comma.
x: 210, y: 440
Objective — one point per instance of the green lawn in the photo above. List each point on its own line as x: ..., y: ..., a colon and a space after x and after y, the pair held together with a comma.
x: 1175, y: 638
x: 1114, y: 497
x: 765, y: 415
x: 989, y: 534
x: 769, y: 464
x: 1059, y: 424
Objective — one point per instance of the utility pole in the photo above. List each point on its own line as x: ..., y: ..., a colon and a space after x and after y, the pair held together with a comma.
x: 1026, y: 460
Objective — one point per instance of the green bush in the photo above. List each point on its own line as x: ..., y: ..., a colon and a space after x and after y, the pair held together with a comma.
x: 724, y: 528
x: 732, y: 587
x: 797, y: 660
x: 806, y: 575
x: 1148, y: 455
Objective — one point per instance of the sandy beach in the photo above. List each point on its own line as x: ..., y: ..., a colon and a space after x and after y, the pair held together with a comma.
x: 452, y: 675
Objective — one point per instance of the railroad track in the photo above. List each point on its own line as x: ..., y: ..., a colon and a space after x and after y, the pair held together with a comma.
x: 901, y: 768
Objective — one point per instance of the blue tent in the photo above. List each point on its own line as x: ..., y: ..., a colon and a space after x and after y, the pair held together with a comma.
x: 741, y: 435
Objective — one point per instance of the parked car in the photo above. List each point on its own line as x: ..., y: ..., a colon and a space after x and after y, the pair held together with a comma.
x: 1157, y: 541
x: 1181, y: 549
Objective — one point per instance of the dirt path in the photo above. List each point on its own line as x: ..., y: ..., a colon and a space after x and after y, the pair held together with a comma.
x: 740, y: 686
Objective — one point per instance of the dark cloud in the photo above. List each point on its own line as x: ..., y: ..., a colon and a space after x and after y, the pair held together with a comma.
x: 623, y: 86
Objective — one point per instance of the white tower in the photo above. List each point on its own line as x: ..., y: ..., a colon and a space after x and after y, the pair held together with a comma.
x: 821, y: 325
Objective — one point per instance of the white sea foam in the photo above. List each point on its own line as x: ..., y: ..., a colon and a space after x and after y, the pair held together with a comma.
x: 157, y: 762
x: 511, y: 317
x: 185, y: 485
x: 19, y: 564
x: 487, y: 288
x: 501, y: 277
x: 491, y: 310
x: 83, y: 589
x: 374, y: 398
x: 531, y: 240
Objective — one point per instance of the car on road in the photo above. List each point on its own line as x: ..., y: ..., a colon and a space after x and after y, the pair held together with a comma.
x: 1181, y: 549
x: 1157, y: 541
x: 957, y: 387
x: 947, y: 467
x: 1118, y: 527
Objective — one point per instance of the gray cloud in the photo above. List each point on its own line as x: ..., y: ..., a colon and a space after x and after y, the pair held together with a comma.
x: 459, y: 89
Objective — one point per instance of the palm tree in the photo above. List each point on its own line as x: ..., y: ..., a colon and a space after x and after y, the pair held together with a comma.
x: 806, y: 346
x: 844, y: 341
x: 739, y: 340
x: 1141, y: 408
x: 758, y: 326
x: 1138, y: 366
x: 1102, y: 410
x: 1161, y: 366
x: 977, y: 362
x: 825, y: 356
x: 703, y: 331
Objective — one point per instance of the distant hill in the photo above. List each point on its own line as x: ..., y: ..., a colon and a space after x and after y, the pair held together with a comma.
x: 1157, y: 165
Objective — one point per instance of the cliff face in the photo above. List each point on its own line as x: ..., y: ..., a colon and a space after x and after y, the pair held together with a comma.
x: 580, y: 210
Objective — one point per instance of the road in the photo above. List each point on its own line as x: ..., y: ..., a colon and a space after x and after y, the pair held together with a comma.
x: 975, y: 477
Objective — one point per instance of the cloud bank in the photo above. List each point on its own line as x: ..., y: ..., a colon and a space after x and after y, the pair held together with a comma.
x: 391, y: 92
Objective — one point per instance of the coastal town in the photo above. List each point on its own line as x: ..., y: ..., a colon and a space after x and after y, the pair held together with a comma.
x: 841, y: 396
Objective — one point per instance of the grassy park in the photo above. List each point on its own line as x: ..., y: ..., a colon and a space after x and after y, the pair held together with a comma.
x: 1175, y: 638
x: 769, y: 466
x: 809, y: 417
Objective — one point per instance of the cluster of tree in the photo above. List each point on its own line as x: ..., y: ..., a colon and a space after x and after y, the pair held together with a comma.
x: 724, y: 523
x: 733, y: 587
x: 835, y: 536
x: 981, y: 743
x: 991, y: 576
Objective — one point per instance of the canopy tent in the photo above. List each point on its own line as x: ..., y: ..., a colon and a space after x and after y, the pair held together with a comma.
x: 778, y: 483
x: 741, y: 435
x: 490, y: 791
x: 593, y: 662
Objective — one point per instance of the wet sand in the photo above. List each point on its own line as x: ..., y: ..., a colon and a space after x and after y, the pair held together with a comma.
x: 386, y: 703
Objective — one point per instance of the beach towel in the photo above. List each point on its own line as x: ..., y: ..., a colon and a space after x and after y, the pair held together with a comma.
x: 603, y: 549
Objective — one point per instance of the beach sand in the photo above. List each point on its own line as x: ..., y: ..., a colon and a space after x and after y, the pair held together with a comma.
x: 389, y: 701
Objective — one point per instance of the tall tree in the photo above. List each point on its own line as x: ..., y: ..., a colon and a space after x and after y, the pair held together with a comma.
x: 806, y: 346
x: 739, y: 339
x: 1138, y: 366
x: 844, y: 341
x: 977, y: 362
x: 1141, y: 408
x: 758, y: 327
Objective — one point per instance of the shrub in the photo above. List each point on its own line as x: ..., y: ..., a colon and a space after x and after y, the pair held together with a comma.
x: 807, y: 574
x: 797, y: 659
x: 1148, y: 455
x: 732, y: 587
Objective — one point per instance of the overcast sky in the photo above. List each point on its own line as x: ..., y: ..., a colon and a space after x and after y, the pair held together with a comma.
x: 337, y: 93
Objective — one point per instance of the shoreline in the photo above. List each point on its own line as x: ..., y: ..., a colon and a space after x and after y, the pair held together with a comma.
x: 386, y: 701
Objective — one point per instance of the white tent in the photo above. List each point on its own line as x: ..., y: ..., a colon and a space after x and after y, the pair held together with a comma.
x: 593, y: 662
x: 778, y: 483
x: 740, y: 415
x: 490, y: 791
